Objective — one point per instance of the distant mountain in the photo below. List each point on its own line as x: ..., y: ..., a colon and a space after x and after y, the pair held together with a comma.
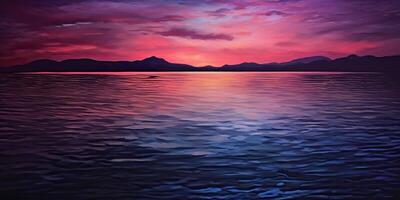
x: 306, y: 60
x: 251, y: 66
x: 359, y: 63
x: 88, y: 65
x: 352, y: 63
x: 154, y: 60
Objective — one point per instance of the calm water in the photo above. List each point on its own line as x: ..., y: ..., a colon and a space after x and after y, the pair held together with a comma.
x: 199, y: 136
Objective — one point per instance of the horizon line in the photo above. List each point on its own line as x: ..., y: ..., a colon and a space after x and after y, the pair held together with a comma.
x: 209, y: 65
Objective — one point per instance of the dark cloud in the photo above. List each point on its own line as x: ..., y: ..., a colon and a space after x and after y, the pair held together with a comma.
x: 276, y: 13
x: 374, y: 36
x: 356, y: 20
x: 283, y: 1
x: 218, y: 13
x: 193, y: 34
x: 39, y: 17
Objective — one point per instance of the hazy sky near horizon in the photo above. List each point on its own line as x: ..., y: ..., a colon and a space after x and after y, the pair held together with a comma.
x: 197, y: 32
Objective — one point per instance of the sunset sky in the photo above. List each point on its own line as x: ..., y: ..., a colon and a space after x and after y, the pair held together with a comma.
x: 197, y: 32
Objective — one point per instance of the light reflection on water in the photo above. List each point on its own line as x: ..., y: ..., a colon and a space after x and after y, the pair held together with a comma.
x: 199, y: 135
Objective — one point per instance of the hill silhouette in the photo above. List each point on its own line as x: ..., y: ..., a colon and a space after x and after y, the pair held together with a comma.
x: 352, y: 63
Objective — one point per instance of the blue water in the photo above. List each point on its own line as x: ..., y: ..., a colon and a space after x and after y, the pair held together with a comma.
x: 199, y: 136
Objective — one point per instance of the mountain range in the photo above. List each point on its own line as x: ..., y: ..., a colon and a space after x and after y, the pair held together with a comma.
x: 352, y: 63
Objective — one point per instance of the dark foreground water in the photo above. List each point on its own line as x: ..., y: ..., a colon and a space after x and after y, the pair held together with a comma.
x: 199, y: 136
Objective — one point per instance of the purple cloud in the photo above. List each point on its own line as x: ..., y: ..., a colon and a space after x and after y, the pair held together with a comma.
x: 218, y: 13
x: 193, y: 34
x: 276, y: 13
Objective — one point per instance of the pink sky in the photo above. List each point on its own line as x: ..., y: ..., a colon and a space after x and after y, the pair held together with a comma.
x: 204, y: 32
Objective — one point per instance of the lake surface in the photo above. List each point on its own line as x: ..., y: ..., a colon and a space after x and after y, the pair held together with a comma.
x: 199, y: 136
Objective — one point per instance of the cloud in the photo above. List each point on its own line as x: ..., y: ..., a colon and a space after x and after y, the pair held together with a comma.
x: 194, y: 34
x: 218, y: 13
x: 275, y: 12
x: 374, y: 36
x: 39, y: 16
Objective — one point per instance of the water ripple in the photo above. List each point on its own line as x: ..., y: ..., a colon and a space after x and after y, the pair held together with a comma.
x: 199, y: 136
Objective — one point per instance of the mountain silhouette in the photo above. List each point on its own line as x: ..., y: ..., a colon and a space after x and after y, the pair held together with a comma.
x: 154, y: 60
x: 306, y: 60
x: 88, y: 65
x: 352, y: 63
